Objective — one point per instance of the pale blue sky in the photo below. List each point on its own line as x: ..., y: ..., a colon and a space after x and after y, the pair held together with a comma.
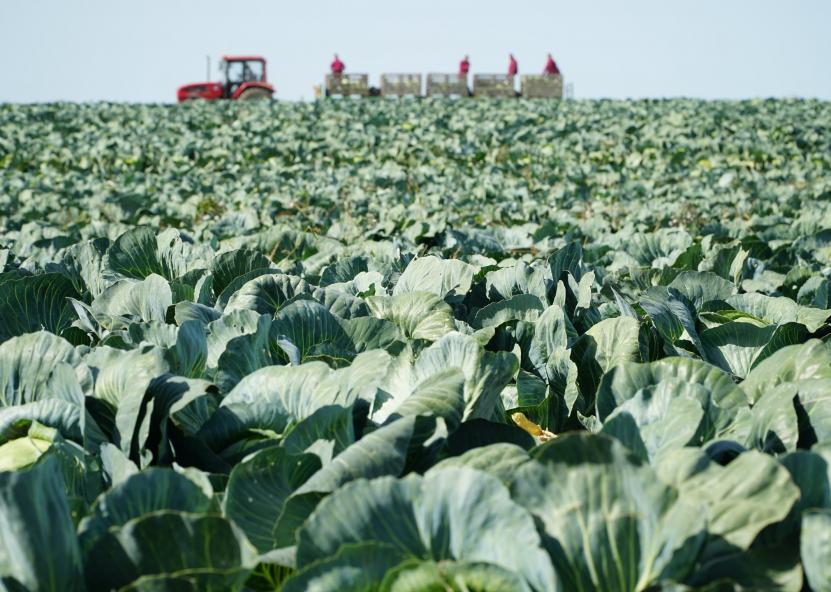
x: 140, y: 50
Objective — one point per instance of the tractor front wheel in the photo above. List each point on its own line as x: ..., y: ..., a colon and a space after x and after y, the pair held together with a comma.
x: 254, y: 94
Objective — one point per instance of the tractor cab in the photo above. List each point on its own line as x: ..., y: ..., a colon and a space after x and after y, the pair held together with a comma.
x: 243, y: 78
x: 237, y: 71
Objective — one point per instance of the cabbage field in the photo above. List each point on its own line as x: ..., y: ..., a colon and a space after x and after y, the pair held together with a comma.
x: 425, y: 345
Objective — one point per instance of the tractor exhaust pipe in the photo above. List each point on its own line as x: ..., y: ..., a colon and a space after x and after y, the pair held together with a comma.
x: 208, y: 71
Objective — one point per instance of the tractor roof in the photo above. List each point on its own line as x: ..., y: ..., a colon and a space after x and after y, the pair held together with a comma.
x: 242, y: 58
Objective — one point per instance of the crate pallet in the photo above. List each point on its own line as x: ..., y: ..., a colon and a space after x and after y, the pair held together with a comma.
x: 536, y: 86
x: 493, y: 85
x: 446, y: 85
x: 347, y: 85
x: 400, y: 85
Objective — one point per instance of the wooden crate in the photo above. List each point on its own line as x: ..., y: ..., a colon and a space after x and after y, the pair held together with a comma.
x: 493, y: 85
x: 537, y: 86
x: 400, y: 85
x: 346, y: 85
x: 446, y: 85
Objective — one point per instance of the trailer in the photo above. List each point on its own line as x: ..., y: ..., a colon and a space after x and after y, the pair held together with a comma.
x: 532, y: 86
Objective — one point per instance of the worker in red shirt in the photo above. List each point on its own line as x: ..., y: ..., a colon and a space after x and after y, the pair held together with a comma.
x: 337, y: 66
x: 512, y: 66
x: 464, y: 66
x: 551, y: 68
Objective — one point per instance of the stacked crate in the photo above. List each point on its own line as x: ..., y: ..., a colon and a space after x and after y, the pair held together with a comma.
x: 446, y: 85
x: 400, y: 85
x: 493, y: 85
x: 347, y: 85
x: 542, y: 87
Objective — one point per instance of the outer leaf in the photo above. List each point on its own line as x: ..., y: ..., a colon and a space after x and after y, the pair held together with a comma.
x: 121, y: 380
x: 383, y: 452
x: 226, y: 328
x: 742, y: 498
x: 271, y: 399
x: 266, y: 294
x: 146, y: 300
x: 230, y: 265
x: 718, y: 396
x: 816, y: 548
x: 25, y: 451
x: 36, y: 302
x: 326, y: 433
x: 313, y: 330
x: 204, y: 550
x: 140, y: 494
x: 612, y: 524
x: 354, y: 567
x: 143, y: 251
x: 701, y: 287
x: 809, y: 361
x: 665, y: 417
x: 672, y: 313
x: 38, y: 366
x: 500, y: 460
x: 733, y: 346
x: 522, y: 307
x: 36, y: 518
x: 420, y: 315
x: 453, y: 577
x: 245, y: 353
x: 605, y: 345
x: 450, y: 279
x: 779, y: 310
x: 454, y: 514
x: 258, y: 488
x: 486, y: 373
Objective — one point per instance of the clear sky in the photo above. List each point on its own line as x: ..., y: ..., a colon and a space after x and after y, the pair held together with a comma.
x: 141, y: 50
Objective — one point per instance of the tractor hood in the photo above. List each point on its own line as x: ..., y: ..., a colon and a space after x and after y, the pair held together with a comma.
x: 199, y: 90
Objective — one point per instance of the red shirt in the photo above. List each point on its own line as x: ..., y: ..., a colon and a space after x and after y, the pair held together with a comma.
x: 464, y: 67
x: 338, y: 66
x: 551, y: 68
x: 512, y: 67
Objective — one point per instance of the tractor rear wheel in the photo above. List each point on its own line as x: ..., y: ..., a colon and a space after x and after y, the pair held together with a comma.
x: 254, y: 94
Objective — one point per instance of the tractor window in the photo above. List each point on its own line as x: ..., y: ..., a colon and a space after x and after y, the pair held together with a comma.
x: 253, y: 71
x: 235, y: 72
x: 239, y: 72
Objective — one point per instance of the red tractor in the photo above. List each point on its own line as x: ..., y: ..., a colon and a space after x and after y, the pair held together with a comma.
x: 244, y: 79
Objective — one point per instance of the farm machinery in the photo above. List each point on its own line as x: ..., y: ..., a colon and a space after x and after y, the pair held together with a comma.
x: 243, y: 79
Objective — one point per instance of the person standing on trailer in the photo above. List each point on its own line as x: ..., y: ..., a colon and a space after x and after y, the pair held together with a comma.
x: 464, y: 69
x: 337, y: 66
x: 513, y: 69
x: 551, y: 68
